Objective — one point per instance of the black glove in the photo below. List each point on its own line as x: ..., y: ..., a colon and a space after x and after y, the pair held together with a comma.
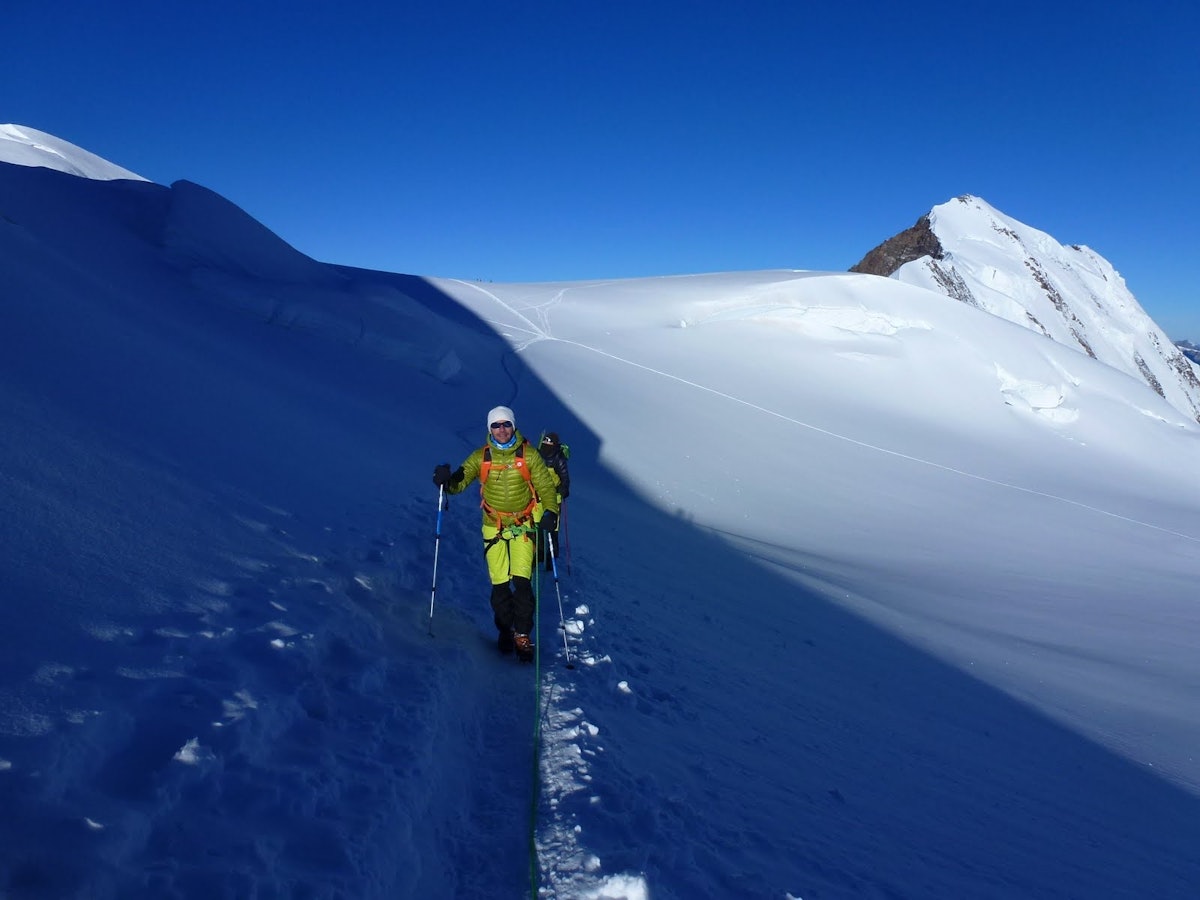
x: 549, y: 521
x: 441, y: 475
x: 564, y: 491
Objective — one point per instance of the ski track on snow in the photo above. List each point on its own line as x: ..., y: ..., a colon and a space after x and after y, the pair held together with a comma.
x: 876, y: 448
x: 544, y: 333
x: 537, y: 333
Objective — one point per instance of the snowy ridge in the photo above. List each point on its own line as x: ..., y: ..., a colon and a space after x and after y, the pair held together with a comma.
x: 870, y: 593
x: 29, y: 147
x: 204, y: 230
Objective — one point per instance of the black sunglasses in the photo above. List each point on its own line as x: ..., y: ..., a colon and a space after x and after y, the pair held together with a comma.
x: 496, y: 425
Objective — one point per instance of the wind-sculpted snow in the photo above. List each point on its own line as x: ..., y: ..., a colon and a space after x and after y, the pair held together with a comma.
x: 1045, y: 400
x: 778, y: 306
x: 204, y: 230
x: 377, y: 319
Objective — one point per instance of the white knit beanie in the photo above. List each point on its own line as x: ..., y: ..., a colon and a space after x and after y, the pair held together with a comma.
x: 501, y: 414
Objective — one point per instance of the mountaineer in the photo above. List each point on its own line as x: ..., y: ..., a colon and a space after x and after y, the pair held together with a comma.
x: 513, y: 480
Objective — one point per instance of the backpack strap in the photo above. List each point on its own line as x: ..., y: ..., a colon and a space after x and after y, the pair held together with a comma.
x: 485, y: 469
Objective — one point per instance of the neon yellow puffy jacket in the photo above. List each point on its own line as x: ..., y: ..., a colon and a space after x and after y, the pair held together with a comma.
x: 506, y: 490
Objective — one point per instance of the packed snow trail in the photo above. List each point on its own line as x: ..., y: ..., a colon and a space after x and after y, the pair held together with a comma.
x: 569, y: 741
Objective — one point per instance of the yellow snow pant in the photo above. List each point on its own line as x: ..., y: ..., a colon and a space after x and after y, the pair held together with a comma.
x: 509, y: 552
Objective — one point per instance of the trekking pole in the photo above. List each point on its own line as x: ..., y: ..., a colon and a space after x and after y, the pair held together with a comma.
x: 562, y: 619
x: 567, y: 532
x: 437, y: 543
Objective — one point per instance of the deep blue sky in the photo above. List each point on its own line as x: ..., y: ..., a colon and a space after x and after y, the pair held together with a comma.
x: 538, y: 140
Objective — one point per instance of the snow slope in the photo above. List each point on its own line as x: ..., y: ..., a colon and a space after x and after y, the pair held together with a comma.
x: 870, y: 593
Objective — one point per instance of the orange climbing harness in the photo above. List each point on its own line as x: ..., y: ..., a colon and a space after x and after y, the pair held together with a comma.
x: 513, y: 518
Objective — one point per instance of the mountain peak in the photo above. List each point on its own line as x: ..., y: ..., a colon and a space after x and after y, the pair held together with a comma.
x: 907, y: 246
x: 968, y: 250
x: 921, y: 239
